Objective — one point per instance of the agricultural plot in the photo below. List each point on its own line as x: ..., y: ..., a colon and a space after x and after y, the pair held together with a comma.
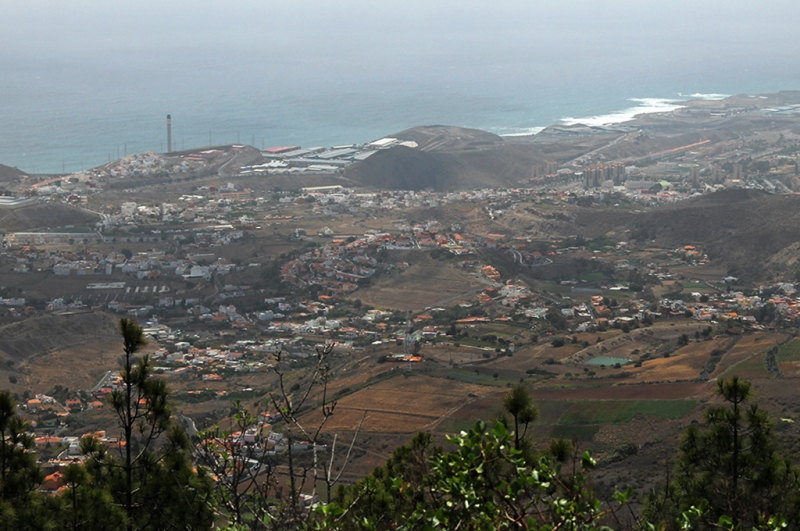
x: 379, y: 421
x: 685, y: 364
x: 399, y: 405
x: 528, y: 358
x: 617, y: 411
x: 675, y: 391
x: 788, y: 358
x: 745, y: 348
x: 701, y: 272
x: 550, y: 411
x: 752, y: 368
x: 694, y: 285
x: 789, y: 351
x: 579, y: 432
x: 486, y: 375
x: 640, y: 430
x: 79, y: 367
x: 607, y: 361
x: 452, y: 426
x: 632, y: 345
x: 457, y: 355
x: 585, y: 420
x: 486, y: 406
x: 593, y: 276
x: 425, y: 284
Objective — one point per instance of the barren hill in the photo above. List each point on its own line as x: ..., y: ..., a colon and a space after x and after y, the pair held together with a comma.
x: 445, y: 137
x: 447, y: 158
x: 23, y: 340
x: 7, y: 173
x: 43, y: 216
x: 10, y: 177
x: 757, y: 232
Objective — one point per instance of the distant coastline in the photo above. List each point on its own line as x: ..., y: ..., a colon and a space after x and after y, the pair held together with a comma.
x: 641, y: 106
x: 82, y: 157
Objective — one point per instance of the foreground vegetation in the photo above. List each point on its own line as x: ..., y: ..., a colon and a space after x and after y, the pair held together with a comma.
x: 728, y: 475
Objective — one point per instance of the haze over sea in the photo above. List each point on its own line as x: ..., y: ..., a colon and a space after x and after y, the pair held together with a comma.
x: 82, y: 92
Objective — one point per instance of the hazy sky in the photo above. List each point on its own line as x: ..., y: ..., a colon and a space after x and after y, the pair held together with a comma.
x: 81, y: 78
x: 400, y: 34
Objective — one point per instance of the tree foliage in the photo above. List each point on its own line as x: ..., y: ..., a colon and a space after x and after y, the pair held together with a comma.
x: 519, y: 404
x: 484, y: 484
x: 730, y: 463
x: 150, y: 474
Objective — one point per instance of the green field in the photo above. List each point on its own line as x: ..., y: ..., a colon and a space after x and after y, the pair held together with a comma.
x: 789, y: 351
x: 694, y: 285
x: 552, y: 410
x: 582, y: 433
x: 453, y: 426
x: 752, y: 368
x: 483, y: 376
x: 609, y: 362
x: 616, y: 411
x: 593, y: 276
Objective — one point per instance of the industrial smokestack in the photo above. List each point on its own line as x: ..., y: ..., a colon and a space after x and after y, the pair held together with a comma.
x: 169, y: 134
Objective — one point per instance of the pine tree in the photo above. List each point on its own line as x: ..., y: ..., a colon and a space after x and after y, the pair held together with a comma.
x: 730, y: 464
x: 519, y: 404
x: 151, y: 478
x: 21, y: 506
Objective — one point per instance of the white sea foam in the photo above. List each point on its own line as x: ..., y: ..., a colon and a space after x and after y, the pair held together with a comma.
x: 522, y: 131
x: 643, y: 106
x: 700, y: 96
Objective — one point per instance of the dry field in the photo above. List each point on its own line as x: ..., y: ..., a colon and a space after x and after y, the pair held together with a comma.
x: 676, y: 368
x: 422, y: 285
x: 32, y: 352
x: 531, y: 356
x: 484, y: 407
x: 458, y: 355
x: 75, y: 367
x: 709, y: 273
x: 399, y: 405
x: 535, y: 356
x: 637, y: 342
x: 684, y: 364
x: 790, y: 368
x: 747, y: 347
x: 265, y: 248
x: 639, y: 430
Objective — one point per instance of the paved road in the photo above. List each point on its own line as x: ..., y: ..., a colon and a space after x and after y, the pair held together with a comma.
x: 102, y: 381
x: 614, y: 142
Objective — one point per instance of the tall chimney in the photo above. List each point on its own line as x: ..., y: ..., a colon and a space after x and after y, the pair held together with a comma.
x: 169, y: 134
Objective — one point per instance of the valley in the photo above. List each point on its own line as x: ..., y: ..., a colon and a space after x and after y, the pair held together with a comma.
x: 616, y: 273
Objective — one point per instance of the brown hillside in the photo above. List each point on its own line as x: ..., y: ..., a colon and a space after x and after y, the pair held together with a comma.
x: 445, y: 137
x: 9, y: 174
x: 456, y: 158
x: 23, y: 340
x: 757, y: 232
x: 402, y: 168
x: 44, y: 216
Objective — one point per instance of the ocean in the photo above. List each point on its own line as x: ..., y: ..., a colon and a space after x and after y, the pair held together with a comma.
x: 72, y: 115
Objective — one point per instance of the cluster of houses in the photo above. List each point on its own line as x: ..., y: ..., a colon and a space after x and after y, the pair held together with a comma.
x: 342, y: 264
x: 736, y: 305
x: 212, y: 209
x: 144, y: 265
x: 210, y: 362
x: 86, y: 182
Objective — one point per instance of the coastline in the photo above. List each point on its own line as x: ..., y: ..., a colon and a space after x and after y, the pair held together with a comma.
x: 638, y: 108
x: 641, y: 107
